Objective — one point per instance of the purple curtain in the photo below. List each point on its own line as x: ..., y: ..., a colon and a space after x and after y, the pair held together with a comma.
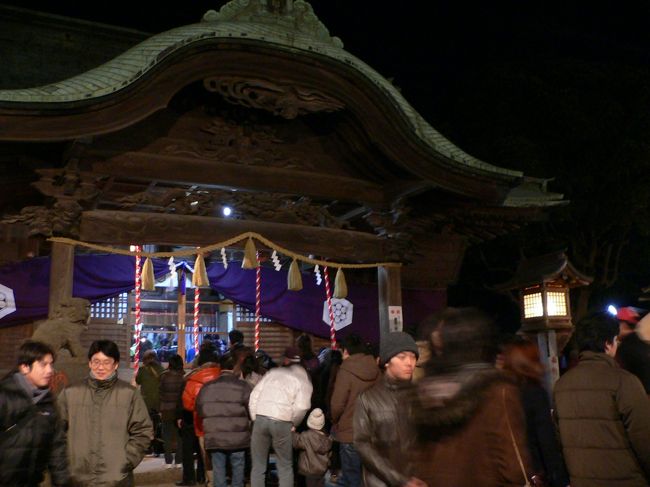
x: 97, y: 277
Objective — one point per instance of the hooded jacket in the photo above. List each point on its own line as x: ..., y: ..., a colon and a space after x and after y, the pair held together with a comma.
x: 109, y: 430
x: 357, y: 373
x: 31, y: 438
x: 314, y: 457
x: 464, y: 421
x: 604, y: 419
x: 383, y: 436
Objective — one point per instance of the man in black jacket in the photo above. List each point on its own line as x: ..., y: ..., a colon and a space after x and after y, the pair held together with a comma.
x: 32, y: 438
x: 223, y: 407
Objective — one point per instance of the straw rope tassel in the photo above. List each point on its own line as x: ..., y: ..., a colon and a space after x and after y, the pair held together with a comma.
x: 328, y: 294
x: 340, y: 286
x: 258, y: 302
x: 138, y: 317
x: 294, y: 279
x: 200, y: 276
x: 197, y: 301
x: 250, y: 255
x: 148, y: 279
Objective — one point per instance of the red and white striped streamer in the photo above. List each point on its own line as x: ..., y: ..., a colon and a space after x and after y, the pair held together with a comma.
x: 328, y: 293
x: 197, y: 301
x: 258, y: 301
x: 138, y: 317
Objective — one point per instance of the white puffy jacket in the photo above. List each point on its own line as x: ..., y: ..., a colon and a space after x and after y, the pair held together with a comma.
x: 284, y: 393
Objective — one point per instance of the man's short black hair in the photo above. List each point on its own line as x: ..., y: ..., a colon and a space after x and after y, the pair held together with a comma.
x: 107, y: 347
x: 235, y: 336
x: 227, y: 361
x: 32, y: 351
x: 207, y: 357
x: 353, y: 343
x: 176, y: 362
x: 595, y: 330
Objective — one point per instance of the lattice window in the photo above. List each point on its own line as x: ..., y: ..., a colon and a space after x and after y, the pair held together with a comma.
x: 245, y: 315
x: 110, y: 309
x: 533, y: 307
x: 556, y: 303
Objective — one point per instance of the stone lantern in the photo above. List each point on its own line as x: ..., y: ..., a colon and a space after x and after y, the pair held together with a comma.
x: 543, y: 284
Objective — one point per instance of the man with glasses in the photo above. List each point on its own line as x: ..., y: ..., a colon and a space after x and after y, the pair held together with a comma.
x: 108, y: 424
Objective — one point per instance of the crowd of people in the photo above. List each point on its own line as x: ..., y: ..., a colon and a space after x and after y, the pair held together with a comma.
x: 350, y: 417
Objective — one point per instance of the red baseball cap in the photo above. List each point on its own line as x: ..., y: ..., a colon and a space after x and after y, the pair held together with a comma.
x: 628, y: 314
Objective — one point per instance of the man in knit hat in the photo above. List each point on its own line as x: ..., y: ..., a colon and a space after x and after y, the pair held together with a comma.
x: 382, y: 433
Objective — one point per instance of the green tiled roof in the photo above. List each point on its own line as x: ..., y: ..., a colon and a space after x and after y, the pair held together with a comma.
x: 295, y: 31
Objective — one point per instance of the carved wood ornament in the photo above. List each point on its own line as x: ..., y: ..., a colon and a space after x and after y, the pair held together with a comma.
x: 287, y: 101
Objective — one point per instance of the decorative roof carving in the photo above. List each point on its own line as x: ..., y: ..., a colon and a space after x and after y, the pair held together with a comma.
x: 128, y: 68
x: 253, y: 144
x: 60, y: 219
x: 269, y: 207
x: 287, y: 101
x: 295, y: 15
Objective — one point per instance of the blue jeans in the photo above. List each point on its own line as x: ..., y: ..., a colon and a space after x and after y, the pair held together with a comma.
x: 267, y: 432
x: 350, y: 465
x: 237, y: 463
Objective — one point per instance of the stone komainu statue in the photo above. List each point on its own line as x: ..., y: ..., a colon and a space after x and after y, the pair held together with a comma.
x: 63, y: 329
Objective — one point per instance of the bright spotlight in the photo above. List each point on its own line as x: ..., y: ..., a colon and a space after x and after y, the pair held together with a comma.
x: 611, y: 309
x: 227, y: 211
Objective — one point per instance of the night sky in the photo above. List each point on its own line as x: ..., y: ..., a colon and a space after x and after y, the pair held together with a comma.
x: 555, y: 88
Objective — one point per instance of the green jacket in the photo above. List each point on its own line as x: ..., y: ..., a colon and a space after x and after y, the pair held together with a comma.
x: 149, y: 380
x: 108, y: 431
x: 604, y: 418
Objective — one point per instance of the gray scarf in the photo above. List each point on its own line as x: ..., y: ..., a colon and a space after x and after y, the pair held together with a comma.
x: 35, y: 393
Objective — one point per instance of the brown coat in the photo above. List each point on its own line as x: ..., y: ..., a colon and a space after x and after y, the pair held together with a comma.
x: 465, y: 435
x: 357, y: 373
x: 604, y: 419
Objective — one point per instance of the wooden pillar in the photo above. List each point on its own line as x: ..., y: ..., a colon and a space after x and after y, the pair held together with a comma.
x: 61, y: 275
x: 390, y: 300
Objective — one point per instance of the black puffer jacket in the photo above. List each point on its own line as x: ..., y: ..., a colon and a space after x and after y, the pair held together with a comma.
x: 170, y: 390
x: 222, y: 404
x: 31, y: 446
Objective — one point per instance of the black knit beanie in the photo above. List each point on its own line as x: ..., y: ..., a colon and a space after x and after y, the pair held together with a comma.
x: 396, y: 342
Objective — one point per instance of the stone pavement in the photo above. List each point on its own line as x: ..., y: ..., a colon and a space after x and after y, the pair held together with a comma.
x: 152, y: 471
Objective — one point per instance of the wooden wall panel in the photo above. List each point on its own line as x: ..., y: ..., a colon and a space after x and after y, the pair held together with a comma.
x: 10, y: 340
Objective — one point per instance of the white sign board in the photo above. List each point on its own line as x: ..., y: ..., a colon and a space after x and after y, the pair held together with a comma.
x: 395, y: 318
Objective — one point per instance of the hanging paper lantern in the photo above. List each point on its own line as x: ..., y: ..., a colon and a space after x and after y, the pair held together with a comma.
x: 340, y: 286
x: 200, y: 276
x: 250, y: 255
x: 294, y: 279
x: 148, y: 279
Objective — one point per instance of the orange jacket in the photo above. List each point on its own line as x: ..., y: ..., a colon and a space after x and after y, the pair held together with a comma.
x: 193, y: 384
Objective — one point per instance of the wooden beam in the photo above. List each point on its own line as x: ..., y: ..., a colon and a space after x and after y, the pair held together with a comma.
x: 61, y: 272
x: 207, y: 172
x: 390, y: 294
x: 125, y: 228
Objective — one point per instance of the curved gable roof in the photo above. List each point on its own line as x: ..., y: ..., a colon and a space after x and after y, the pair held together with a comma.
x: 296, y: 32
